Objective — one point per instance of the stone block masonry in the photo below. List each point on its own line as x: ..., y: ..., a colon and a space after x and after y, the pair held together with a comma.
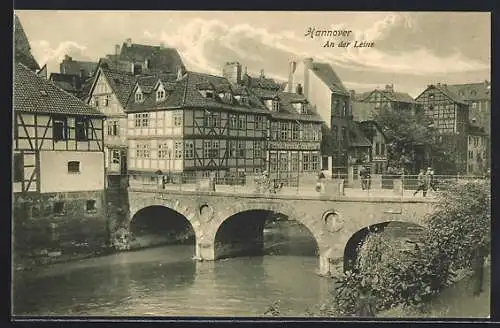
x: 58, y: 225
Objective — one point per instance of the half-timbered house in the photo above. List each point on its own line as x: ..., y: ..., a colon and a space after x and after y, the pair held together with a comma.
x: 109, y: 94
x: 449, y: 115
x: 58, y: 159
x: 190, y: 125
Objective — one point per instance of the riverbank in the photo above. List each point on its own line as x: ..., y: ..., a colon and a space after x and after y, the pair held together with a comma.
x: 456, y: 301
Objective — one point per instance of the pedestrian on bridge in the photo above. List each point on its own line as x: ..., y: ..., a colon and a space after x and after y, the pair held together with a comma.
x: 422, y: 183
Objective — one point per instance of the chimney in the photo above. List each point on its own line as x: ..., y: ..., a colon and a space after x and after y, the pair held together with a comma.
x: 299, y: 90
x: 352, y: 94
x: 232, y: 72
x: 438, y: 84
x: 117, y: 49
x: 67, y: 58
x: 262, y: 74
x: 129, y: 42
x: 292, y: 65
x: 389, y: 87
x: 308, y: 64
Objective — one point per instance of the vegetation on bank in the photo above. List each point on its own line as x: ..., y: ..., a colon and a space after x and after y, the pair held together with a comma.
x: 410, y: 275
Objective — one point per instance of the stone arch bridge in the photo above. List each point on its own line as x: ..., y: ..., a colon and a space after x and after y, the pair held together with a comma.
x: 332, y: 221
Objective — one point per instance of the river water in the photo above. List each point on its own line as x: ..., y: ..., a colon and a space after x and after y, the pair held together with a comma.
x: 165, y: 281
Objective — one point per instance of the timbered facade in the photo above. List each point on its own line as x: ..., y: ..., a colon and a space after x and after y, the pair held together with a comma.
x: 57, y: 145
x: 450, y: 116
x: 109, y: 94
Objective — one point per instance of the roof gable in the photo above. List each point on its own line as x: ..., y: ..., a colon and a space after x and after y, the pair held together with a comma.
x: 35, y: 94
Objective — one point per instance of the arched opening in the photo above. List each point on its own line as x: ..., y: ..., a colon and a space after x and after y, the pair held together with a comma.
x: 395, y: 230
x: 263, y: 232
x: 159, y: 225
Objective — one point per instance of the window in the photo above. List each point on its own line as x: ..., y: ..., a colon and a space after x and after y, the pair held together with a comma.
x: 315, y: 162
x: 138, y: 96
x: 90, y: 206
x: 241, y: 122
x: 106, y: 101
x: 60, y: 129
x: 18, y: 168
x: 257, y: 149
x: 304, y: 108
x: 276, y: 105
x: 81, y: 129
x: 115, y: 156
x: 96, y: 101
x: 232, y: 148
x: 305, y: 162
x: 73, y: 167
x: 189, y: 150
x: 283, y: 130
x: 283, y: 165
x: 344, y: 135
x: 142, y: 151
x: 335, y: 134
x: 273, y: 162
x: 316, y: 135
x: 177, y: 119
x: 258, y: 122
x: 209, y: 94
x: 58, y: 208
x: 244, y: 100
x: 232, y: 121
x: 294, y: 162
x: 163, y: 151
x: 178, y: 149
x: 471, y: 154
x: 474, y: 105
x: 295, y: 131
x: 211, y: 119
x: 377, y: 148
x: 241, y: 149
x: 141, y: 119
x: 113, y: 128
x: 160, y: 95
x: 382, y: 149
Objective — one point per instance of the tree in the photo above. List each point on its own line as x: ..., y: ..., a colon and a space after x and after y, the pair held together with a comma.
x: 411, y: 139
x: 461, y: 226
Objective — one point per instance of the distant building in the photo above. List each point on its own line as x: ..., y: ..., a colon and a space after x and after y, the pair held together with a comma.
x: 109, y: 93
x: 378, y: 150
x: 342, y: 141
x: 58, y: 159
x: 22, y: 48
x: 477, y: 150
x: 449, y: 115
x: 478, y: 95
x: 142, y: 59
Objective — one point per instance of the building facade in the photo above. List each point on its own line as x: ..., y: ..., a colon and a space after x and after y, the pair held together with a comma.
x: 378, y: 149
x: 109, y: 94
x: 58, y: 158
x: 477, y: 151
x: 450, y: 117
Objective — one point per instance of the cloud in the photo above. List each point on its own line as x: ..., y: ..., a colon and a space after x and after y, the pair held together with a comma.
x: 403, y: 45
x: 52, y: 56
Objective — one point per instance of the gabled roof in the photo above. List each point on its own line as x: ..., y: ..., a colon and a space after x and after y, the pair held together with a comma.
x: 260, y: 82
x: 22, y: 48
x: 160, y: 58
x: 357, y: 137
x: 472, y: 91
x: 121, y: 83
x: 35, y: 94
x: 402, y: 97
x: 70, y: 66
x: 446, y: 91
x: 326, y: 74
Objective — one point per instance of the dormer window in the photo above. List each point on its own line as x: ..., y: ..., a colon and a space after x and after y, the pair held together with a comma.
x: 304, y: 108
x: 276, y: 105
x: 229, y: 96
x: 138, y: 96
x: 209, y: 94
x: 160, y: 94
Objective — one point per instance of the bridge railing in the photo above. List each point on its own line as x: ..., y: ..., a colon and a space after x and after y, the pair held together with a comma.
x: 310, y: 185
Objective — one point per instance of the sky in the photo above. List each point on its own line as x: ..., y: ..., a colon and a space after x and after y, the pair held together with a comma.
x: 411, y: 49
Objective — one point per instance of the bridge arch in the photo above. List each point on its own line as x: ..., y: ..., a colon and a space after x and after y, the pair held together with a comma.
x: 400, y: 229
x: 159, y: 224
x: 226, y: 216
